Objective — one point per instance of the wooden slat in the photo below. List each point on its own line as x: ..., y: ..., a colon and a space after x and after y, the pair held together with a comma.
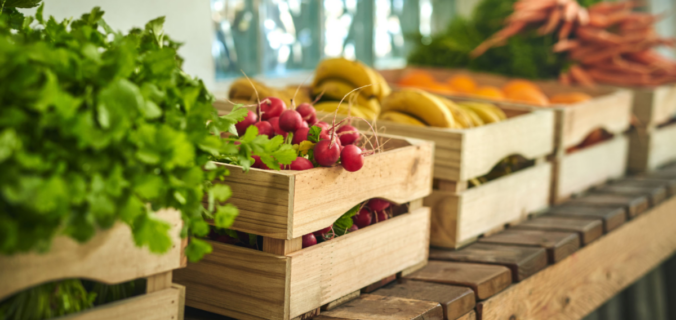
x: 522, y: 261
x: 455, y: 301
x: 655, y: 194
x: 559, y: 245
x: 589, y: 229
x: 282, y: 247
x: 109, y: 257
x: 158, y: 282
x: 342, y: 300
x: 159, y: 305
x: 330, y: 270
x: 649, y: 181
x: 468, y: 316
x: 574, y: 287
x: 634, y: 205
x: 461, y: 218
x: 379, y: 284
x: 654, y: 105
x: 612, y: 217
x: 370, y: 306
x: 591, y: 166
x: 485, y: 280
x: 238, y: 282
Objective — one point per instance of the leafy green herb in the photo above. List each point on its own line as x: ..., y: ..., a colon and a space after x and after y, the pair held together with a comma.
x: 47, y: 301
x: 313, y: 134
x: 345, y: 222
x: 97, y: 126
x: 525, y: 55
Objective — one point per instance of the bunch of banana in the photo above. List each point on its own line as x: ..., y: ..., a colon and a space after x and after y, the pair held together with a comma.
x: 241, y: 90
x: 417, y: 107
x: 336, y: 78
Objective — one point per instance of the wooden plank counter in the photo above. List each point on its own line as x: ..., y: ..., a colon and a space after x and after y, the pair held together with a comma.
x: 579, y: 284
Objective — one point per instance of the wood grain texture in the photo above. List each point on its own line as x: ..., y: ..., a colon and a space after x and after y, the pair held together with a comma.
x: 589, y: 229
x: 282, y: 247
x: 332, y: 269
x: 468, y: 316
x: 655, y: 194
x: 379, y: 284
x: 460, y: 218
x: 559, y: 245
x: 159, y: 305
x: 109, y: 257
x: 375, y: 307
x: 654, y: 105
x: 522, y: 261
x: 612, y: 217
x: 455, y: 301
x: 574, y: 287
x: 238, y: 282
x: 633, y: 204
x: 342, y: 300
x: 290, y: 204
x: 158, y: 282
x: 591, y: 166
x: 485, y: 280
x: 651, y: 148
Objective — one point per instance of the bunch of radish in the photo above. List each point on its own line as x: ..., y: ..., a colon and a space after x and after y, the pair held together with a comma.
x: 362, y: 216
x: 331, y: 144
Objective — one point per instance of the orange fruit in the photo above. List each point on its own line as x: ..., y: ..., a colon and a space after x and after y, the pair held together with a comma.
x: 462, y: 83
x: 416, y: 79
x: 569, y: 98
x: 439, y: 88
x: 518, y: 85
x: 528, y: 96
x: 490, y: 92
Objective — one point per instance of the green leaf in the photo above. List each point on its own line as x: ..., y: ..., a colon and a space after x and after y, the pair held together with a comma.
x: 21, y: 3
x: 152, y: 232
x: 196, y: 249
x: 313, y: 134
x: 9, y: 142
x: 221, y: 192
x: 225, y: 215
x: 345, y: 221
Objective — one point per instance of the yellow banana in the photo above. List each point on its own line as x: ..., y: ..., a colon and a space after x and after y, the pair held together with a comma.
x: 242, y: 89
x: 385, y: 89
x: 398, y: 117
x: 461, y: 117
x: 334, y: 89
x: 476, y: 120
x: 420, y: 104
x: 487, y: 112
x: 368, y: 113
x: 354, y: 72
x: 331, y: 106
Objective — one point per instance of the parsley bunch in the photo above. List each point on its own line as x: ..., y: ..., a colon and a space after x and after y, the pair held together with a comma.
x: 97, y: 126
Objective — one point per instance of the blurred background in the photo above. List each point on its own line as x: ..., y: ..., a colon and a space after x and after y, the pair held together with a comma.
x: 286, y: 38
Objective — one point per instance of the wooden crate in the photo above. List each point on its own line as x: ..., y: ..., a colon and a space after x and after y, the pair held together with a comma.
x: 290, y: 204
x: 651, y: 148
x: 588, y: 167
x: 109, y: 257
x: 461, y: 217
x: 249, y: 284
x: 654, y: 106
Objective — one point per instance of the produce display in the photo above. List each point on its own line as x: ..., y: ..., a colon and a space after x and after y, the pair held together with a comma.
x: 520, y: 90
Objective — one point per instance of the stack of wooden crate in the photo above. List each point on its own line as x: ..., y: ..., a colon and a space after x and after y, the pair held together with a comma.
x: 285, y: 280
x: 654, y: 136
x: 110, y: 257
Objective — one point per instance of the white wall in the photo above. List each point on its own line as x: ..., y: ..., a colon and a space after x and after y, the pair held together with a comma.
x: 187, y: 21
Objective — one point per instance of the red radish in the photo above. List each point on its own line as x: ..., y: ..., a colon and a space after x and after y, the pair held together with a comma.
x: 352, y: 158
x: 290, y: 120
x: 258, y: 163
x: 309, y: 240
x: 301, y: 164
x: 250, y: 119
x: 353, y: 228
x: 265, y: 128
x: 380, y: 216
x: 321, y: 233
x: 275, y: 126
x: 306, y: 111
x: 348, y: 134
x: 363, y: 218
x: 312, y: 121
x: 325, y: 126
x: 326, y: 153
x: 271, y: 107
x: 303, y: 124
x: 300, y: 135
x: 378, y: 204
x: 327, y: 136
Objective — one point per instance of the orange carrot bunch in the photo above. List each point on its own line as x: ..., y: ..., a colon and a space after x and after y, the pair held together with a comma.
x: 609, y: 43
